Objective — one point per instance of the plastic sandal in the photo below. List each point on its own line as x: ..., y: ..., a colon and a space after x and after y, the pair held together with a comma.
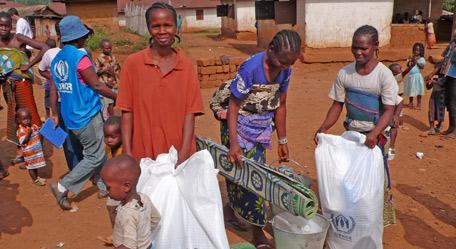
x: 4, y: 174
x: 40, y: 182
x: 263, y: 246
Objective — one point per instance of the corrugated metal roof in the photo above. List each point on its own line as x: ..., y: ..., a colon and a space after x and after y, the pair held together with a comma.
x: 9, y: 4
x: 59, y: 8
x: 33, y: 10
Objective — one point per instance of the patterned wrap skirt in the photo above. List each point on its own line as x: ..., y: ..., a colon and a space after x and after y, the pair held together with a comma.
x: 19, y: 95
x: 246, y: 204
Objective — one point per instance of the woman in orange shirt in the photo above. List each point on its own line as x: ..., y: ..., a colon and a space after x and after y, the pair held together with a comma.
x: 159, y: 93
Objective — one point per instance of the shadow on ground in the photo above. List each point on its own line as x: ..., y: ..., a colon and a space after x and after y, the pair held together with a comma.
x: 442, y: 211
x: 13, y: 216
x: 421, y: 235
x: 415, y: 123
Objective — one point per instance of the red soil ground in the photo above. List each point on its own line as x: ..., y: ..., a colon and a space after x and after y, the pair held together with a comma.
x: 425, y: 197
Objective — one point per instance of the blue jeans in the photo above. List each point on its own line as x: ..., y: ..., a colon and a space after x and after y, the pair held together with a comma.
x: 72, y: 148
x: 91, y: 139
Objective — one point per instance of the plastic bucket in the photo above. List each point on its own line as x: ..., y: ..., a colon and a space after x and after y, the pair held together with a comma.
x: 294, y: 232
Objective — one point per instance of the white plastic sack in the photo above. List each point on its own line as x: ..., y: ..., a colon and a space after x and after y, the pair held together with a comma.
x: 188, y: 199
x: 350, y: 184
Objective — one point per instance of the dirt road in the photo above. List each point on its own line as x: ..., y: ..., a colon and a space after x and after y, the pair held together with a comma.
x: 424, y: 193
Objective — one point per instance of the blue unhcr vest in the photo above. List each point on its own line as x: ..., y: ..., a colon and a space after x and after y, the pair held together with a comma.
x: 79, y: 102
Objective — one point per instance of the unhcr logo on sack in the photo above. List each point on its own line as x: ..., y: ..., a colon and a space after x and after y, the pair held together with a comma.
x: 343, y: 224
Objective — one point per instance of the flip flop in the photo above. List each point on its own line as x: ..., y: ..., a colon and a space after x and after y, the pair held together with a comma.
x: 263, y: 246
x: 17, y: 160
x: 450, y: 136
x: 237, y: 225
x: 4, y: 174
x: 40, y: 182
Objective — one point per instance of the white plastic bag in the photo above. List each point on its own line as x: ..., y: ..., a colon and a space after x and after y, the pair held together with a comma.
x: 188, y: 199
x: 350, y: 184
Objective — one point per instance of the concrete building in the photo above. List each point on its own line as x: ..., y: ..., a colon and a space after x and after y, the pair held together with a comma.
x: 93, y: 12
x: 196, y: 14
x: 430, y: 8
x: 239, y: 16
x: 329, y: 23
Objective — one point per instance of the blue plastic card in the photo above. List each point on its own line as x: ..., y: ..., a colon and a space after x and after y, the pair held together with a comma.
x: 55, y: 135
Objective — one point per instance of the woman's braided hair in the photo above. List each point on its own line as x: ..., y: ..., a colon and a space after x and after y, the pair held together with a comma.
x: 163, y: 6
x: 367, y: 30
x: 288, y: 40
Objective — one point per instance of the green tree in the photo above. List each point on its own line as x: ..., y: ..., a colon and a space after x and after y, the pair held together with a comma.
x: 448, y: 5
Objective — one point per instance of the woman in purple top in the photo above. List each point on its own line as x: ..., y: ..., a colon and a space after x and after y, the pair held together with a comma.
x: 247, y: 107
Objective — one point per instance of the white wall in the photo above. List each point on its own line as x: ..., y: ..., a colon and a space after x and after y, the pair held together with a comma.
x: 245, y: 16
x: 330, y: 23
x: 211, y: 21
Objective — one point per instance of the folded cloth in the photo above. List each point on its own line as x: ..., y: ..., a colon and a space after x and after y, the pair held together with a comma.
x: 255, y: 128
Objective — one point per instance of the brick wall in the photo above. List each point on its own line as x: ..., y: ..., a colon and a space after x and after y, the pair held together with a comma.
x: 212, y: 72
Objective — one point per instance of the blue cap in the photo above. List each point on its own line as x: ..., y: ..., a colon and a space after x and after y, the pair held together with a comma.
x: 71, y: 28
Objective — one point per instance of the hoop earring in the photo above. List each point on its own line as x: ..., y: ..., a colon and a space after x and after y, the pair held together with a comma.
x: 377, y: 52
x: 176, y: 36
x: 151, y: 42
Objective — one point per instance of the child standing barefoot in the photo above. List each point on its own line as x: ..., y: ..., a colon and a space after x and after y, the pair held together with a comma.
x: 30, y: 142
x: 414, y: 84
x: 136, y: 216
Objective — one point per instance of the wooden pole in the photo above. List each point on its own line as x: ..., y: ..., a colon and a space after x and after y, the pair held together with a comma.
x: 429, y: 9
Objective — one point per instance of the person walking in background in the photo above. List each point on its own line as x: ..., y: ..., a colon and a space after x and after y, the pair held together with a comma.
x: 430, y: 34
x: 79, y: 88
x: 22, y: 27
x: 72, y: 148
